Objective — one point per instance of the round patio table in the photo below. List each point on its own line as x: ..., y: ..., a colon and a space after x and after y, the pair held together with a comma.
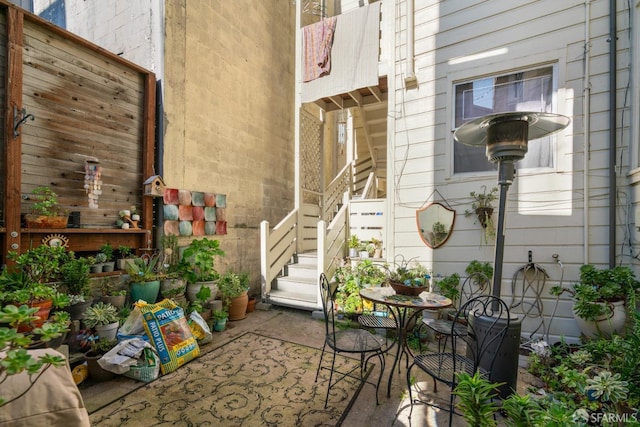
x: 403, y: 308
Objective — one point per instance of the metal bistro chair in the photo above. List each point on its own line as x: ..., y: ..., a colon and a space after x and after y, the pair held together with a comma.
x: 487, y: 318
x: 475, y: 284
x: 379, y: 319
x: 351, y: 341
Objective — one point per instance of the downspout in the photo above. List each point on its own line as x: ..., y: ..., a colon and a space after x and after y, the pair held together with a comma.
x: 586, y: 128
x: 612, y: 132
x: 410, y: 79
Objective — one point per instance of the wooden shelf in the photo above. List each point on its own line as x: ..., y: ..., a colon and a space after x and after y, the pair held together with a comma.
x: 86, y: 239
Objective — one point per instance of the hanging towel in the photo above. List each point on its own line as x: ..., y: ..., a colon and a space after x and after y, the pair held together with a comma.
x: 318, y: 38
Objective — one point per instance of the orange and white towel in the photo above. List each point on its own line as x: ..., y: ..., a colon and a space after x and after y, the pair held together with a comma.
x: 318, y: 39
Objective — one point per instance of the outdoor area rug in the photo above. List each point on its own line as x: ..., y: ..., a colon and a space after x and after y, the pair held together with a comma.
x: 253, y: 380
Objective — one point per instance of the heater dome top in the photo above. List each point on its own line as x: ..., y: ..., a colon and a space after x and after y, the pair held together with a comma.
x: 474, y: 132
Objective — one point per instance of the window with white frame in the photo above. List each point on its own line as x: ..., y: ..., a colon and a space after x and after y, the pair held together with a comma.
x: 526, y: 90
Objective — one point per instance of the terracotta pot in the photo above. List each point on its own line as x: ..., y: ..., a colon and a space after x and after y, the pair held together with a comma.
x: 40, y: 221
x: 251, y: 304
x: 238, y: 307
x: 193, y: 288
x: 44, y: 309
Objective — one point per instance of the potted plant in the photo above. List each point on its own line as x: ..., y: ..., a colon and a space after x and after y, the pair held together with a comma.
x: 14, y: 357
x: 98, y: 262
x: 200, y: 304
x: 125, y: 255
x: 30, y: 281
x: 104, y: 319
x: 198, y: 266
x: 449, y: 287
x: 409, y: 278
x: 76, y: 283
x: 109, y: 264
x: 219, y: 320
x: 112, y: 294
x: 482, y: 207
x: 354, y: 245
x: 98, y: 349
x: 144, y: 283
x: 172, y: 283
x: 234, y: 289
x: 377, y: 247
x: 602, y: 299
x: 45, y: 211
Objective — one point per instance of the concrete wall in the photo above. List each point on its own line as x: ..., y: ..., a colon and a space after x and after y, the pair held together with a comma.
x: 227, y: 71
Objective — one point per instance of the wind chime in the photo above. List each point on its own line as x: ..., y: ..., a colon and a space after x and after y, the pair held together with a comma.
x: 93, y: 181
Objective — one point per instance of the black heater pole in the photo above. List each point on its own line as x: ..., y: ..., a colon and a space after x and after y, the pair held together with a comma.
x: 505, y: 178
x: 505, y: 136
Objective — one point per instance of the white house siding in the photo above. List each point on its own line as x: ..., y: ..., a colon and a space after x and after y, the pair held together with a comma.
x: 545, y: 210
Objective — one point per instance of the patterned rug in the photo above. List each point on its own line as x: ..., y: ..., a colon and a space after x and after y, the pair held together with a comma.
x: 253, y: 380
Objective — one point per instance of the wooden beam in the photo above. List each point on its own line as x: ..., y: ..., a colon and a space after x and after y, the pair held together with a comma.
x: 13, y: 103
x: 375, y: 90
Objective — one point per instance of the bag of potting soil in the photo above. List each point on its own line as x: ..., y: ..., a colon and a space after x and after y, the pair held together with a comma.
x: 170, y: 334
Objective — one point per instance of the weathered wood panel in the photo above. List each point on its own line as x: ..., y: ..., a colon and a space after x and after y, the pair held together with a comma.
x: 86, y: 105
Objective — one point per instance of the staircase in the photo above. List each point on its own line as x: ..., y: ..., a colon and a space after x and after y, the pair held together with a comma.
x: 298, y: 285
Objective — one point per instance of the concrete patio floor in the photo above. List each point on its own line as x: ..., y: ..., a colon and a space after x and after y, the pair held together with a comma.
x: 301, y: 327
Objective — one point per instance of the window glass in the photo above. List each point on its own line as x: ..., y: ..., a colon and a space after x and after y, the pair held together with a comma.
x: 530, y: 90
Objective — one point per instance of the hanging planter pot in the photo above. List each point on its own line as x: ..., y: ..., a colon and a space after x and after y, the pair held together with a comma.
x: 484, y: 216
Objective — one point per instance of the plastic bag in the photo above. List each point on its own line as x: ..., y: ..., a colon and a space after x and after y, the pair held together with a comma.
x: 123, y: 355
x: 199, y: 328
x: 134, y: 324
x: 170, y: 334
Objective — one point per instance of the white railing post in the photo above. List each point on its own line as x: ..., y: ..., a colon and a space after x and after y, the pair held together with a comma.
x: 322, y: 250
x: 265, y: 261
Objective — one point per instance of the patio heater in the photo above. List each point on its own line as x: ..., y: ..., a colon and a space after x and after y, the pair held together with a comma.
x: 506, y: 136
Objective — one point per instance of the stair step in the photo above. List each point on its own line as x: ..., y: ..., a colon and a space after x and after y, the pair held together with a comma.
x: 300, y: 285
x: 302, y: 271
x: 292, y: 299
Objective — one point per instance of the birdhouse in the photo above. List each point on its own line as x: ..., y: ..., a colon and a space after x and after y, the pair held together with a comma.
x: 154, y: 186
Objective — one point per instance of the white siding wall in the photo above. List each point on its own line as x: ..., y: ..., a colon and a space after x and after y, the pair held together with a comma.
x: 529, y: 33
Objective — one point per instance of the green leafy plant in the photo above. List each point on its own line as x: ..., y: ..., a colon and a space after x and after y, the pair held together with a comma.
x: 100, y: 314
x: 521, y: 411
x: 484, y: 268
x: 476, y: 394
x: 409, y: 273
x: 598, y: 287
x: 449, y: 287
x: 107, y: 250
x: 220, y: 314
x: 351, y: 279
x: 46, y: 202
x: 232, y: 285
x: 482, y: 207
x: 143, y: 269
x: 100, y: 258
x: 76, y: 278
x: 199, y: 259
x: 14, y: 357
x: 124, y: 251
x: 354, y: 242
x: 203, y: 295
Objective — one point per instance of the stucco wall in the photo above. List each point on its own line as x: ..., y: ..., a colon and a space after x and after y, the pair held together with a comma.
x: 229, y: 117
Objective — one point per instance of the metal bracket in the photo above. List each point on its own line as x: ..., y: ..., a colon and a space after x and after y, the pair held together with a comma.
x: 19, y: 117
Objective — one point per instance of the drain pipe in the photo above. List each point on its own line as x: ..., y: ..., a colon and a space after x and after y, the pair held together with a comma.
x: 410, y: 79
x: 585, y: 130
x: 612, y: 132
